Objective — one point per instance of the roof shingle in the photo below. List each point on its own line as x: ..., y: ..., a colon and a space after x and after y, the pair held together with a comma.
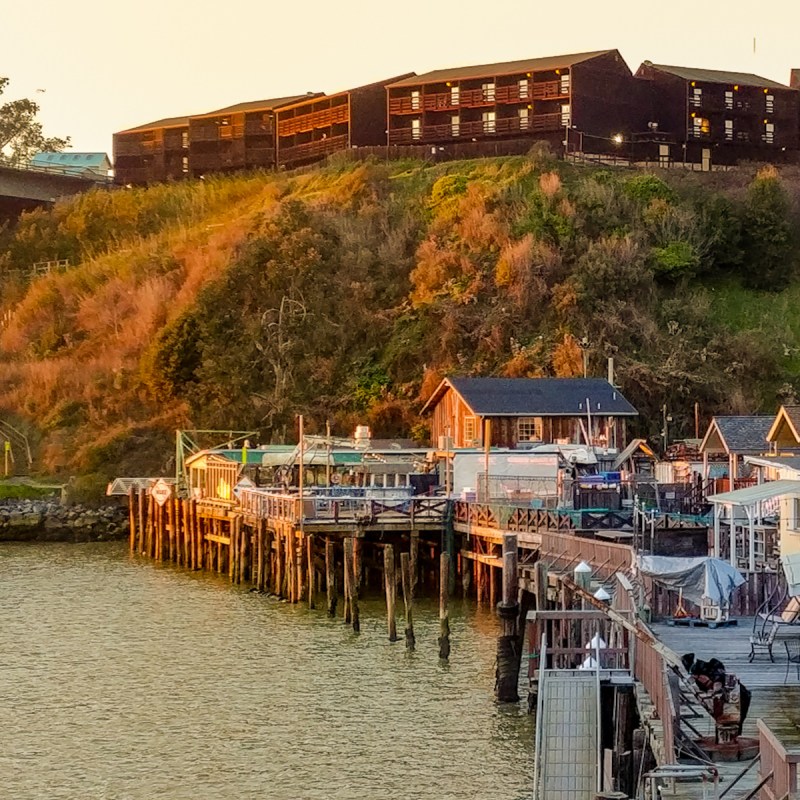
x: 718, y: 76
x: 744, y: 434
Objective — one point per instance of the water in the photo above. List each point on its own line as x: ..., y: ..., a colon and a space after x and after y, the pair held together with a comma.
x: 120, y: 679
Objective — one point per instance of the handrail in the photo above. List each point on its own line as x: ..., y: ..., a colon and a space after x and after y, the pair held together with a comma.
x: 537, y: 747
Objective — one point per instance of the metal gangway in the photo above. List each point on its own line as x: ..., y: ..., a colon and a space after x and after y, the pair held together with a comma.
x: 567, y: 763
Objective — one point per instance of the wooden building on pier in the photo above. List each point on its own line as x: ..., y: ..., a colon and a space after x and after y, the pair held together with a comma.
x: 538, y: 98
x: 151, y: 153
x: 527, y: 411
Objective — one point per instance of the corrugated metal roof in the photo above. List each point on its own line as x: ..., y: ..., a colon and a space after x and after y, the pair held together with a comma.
x: 508, y: 397
x: 754, y: 494
x: 718, y: 76
x: 502, y: 68
x: 168, y: 122
x: 70, y: 159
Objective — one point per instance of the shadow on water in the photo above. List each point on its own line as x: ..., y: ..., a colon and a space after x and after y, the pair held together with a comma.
x: 123, y: 680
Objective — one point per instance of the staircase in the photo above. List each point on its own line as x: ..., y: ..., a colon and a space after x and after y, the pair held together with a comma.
x: 567, y: 731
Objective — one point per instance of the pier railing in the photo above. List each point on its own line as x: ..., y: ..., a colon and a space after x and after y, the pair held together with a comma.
x: 332, y: 507
x: 778, y: 767
x: 652, y: 671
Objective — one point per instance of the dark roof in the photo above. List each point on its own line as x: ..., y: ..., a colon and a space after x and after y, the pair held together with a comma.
x: 515, y: 397
x: 503, y: 68
x: 742, y: 434
x: 169, y: 122
x: 793, y: 413
x: 312, y: 98
x: 259, y: 105
x: 718, y: 76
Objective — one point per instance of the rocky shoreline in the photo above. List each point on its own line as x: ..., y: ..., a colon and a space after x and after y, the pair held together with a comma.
x: 50, y: 521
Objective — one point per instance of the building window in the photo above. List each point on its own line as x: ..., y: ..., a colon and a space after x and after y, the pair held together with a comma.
x: 769, y: 103
x: 565, y: 84
x: 184, y: 139
x: 185, y: 165
x: 488, y: 92
x: 524, y: 88
x: 728, y: 130
x: 489, y: 122
x: 524, y: 115
x: 529, y: 429
x: 701, y: 127
x: 416, y: 129
x: 415, y: 100
x: 470, y: 429
x: 565, y: 115
x: 794, y: 522
x: 455, y: 125
x: 769, y: 133
x: 455, y: 95
x: 696, y: 97
x: 728, y: 100
x: 742, y: 136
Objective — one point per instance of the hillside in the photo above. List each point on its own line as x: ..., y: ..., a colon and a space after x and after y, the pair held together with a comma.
x: 345, y: 293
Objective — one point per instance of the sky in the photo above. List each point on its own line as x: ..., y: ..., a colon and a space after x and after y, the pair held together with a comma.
x: 100, y: 66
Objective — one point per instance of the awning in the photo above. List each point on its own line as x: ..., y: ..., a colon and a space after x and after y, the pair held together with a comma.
x: 755, y: 494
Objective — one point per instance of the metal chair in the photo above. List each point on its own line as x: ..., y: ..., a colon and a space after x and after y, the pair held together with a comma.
x: 762, y: 638
x: 793, y: 656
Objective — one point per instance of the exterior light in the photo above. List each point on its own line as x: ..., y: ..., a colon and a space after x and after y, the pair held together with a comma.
x: 617, y: 138
x: 529, y: 74
x: 766, y: 121
x: 448, y: 83
x: 558, y: 72
x: 766, y: 91
x: 694, y: 83
x: 529, y: 105
x: 736, y: 88
x: 692, y: 115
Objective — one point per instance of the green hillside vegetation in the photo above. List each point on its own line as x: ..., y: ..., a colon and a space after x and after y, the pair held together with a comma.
x: 347, y: 292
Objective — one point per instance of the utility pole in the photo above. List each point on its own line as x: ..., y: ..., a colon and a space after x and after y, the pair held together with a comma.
x: 584, y: 343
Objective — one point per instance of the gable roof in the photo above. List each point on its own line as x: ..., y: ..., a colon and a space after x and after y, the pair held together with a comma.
x: 717, y: 76
x: 167, y: 122
x: 260, y: 105
x: 745, y: 434
x: 520, y: 397
x: 71, y: 160
x: 789, y: 415
x: 501, y: 68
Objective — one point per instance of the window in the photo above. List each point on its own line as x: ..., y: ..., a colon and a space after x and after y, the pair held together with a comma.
x: 524, y: 115
x: 768, y: 137
x: 696, y: 97
x: 794, y: 522
x: 701, y: 127
x: 729, y: 100
x: 470, y: 429
x: 416, y: 129
x: 529, y: 429
x: 184, y: 139
x: 769, y: 103
x: 185, y: 165
x: 489, y: 122
x: 565, y: 115
x: 415, y: 99
x: 728, y: 130
x: 565, y: 84
x: 524, y: 88
x: 455, y: 125
x: 455, y: 95
x: 488, y: 92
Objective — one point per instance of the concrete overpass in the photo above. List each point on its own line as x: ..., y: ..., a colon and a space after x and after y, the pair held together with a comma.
x: 26, y: 189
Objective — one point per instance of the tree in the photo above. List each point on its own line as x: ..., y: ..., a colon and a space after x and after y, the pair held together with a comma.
x: 21, y: 134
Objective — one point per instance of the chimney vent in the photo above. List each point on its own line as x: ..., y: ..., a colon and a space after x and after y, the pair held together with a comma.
x: 794, y: 79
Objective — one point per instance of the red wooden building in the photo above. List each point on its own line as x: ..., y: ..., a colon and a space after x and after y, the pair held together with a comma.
x: 593, y: 94
x: 241, y: 136
x: 720, y: 117
x: 316, y: 127
x: 158, y: 151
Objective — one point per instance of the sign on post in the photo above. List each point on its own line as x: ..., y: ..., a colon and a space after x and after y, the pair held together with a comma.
x: 161, y: 491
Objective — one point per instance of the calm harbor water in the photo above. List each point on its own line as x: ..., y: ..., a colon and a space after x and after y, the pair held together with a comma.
x: 120, y: 679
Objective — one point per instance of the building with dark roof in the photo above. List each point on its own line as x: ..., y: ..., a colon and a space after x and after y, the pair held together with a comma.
x: 538, y: 98
x: 719, y: 116
x: 784, y: 434
x: 735, y: 438
x: 526, y: 410
x: 156, y: 151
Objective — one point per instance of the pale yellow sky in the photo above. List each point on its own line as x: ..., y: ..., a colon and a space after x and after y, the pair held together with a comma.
x: 105, y: 66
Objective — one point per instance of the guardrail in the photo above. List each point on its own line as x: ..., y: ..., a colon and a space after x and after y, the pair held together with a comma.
x: 778, y: 762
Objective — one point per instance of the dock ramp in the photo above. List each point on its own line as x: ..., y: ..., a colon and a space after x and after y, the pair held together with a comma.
x: 567, y: 735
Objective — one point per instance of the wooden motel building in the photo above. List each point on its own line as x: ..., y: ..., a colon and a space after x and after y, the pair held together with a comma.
x: 581, y: 104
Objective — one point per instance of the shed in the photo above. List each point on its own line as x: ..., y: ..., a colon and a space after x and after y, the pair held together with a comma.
x: 784, y: 434
x: 92, y: 165
x: 735, y: 437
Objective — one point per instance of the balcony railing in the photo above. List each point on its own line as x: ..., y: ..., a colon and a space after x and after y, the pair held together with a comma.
x: 255, y: 127
x: 537, y: 123
x: 309, y: 122
x: 137, y: 148
x: 212, y: 132
x: 311, y: 150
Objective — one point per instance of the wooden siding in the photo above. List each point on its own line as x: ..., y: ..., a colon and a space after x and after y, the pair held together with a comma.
x: 150, y: 156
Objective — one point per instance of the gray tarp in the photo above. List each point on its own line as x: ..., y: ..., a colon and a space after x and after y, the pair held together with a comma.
x: 697, y: 577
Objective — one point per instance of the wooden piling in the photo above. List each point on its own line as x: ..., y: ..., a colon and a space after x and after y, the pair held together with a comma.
x: 310, y: 568
x: 140, y: 532
x: 444, y: 618
x: 170, y: 529
x: 300, y: 571
x: 390, y: 581
x: 414, y: 561
x: 408, y: 599
x: 330, y: 576
x: 132, y: 493
x: 350, y: 572
x: 507, y: 662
